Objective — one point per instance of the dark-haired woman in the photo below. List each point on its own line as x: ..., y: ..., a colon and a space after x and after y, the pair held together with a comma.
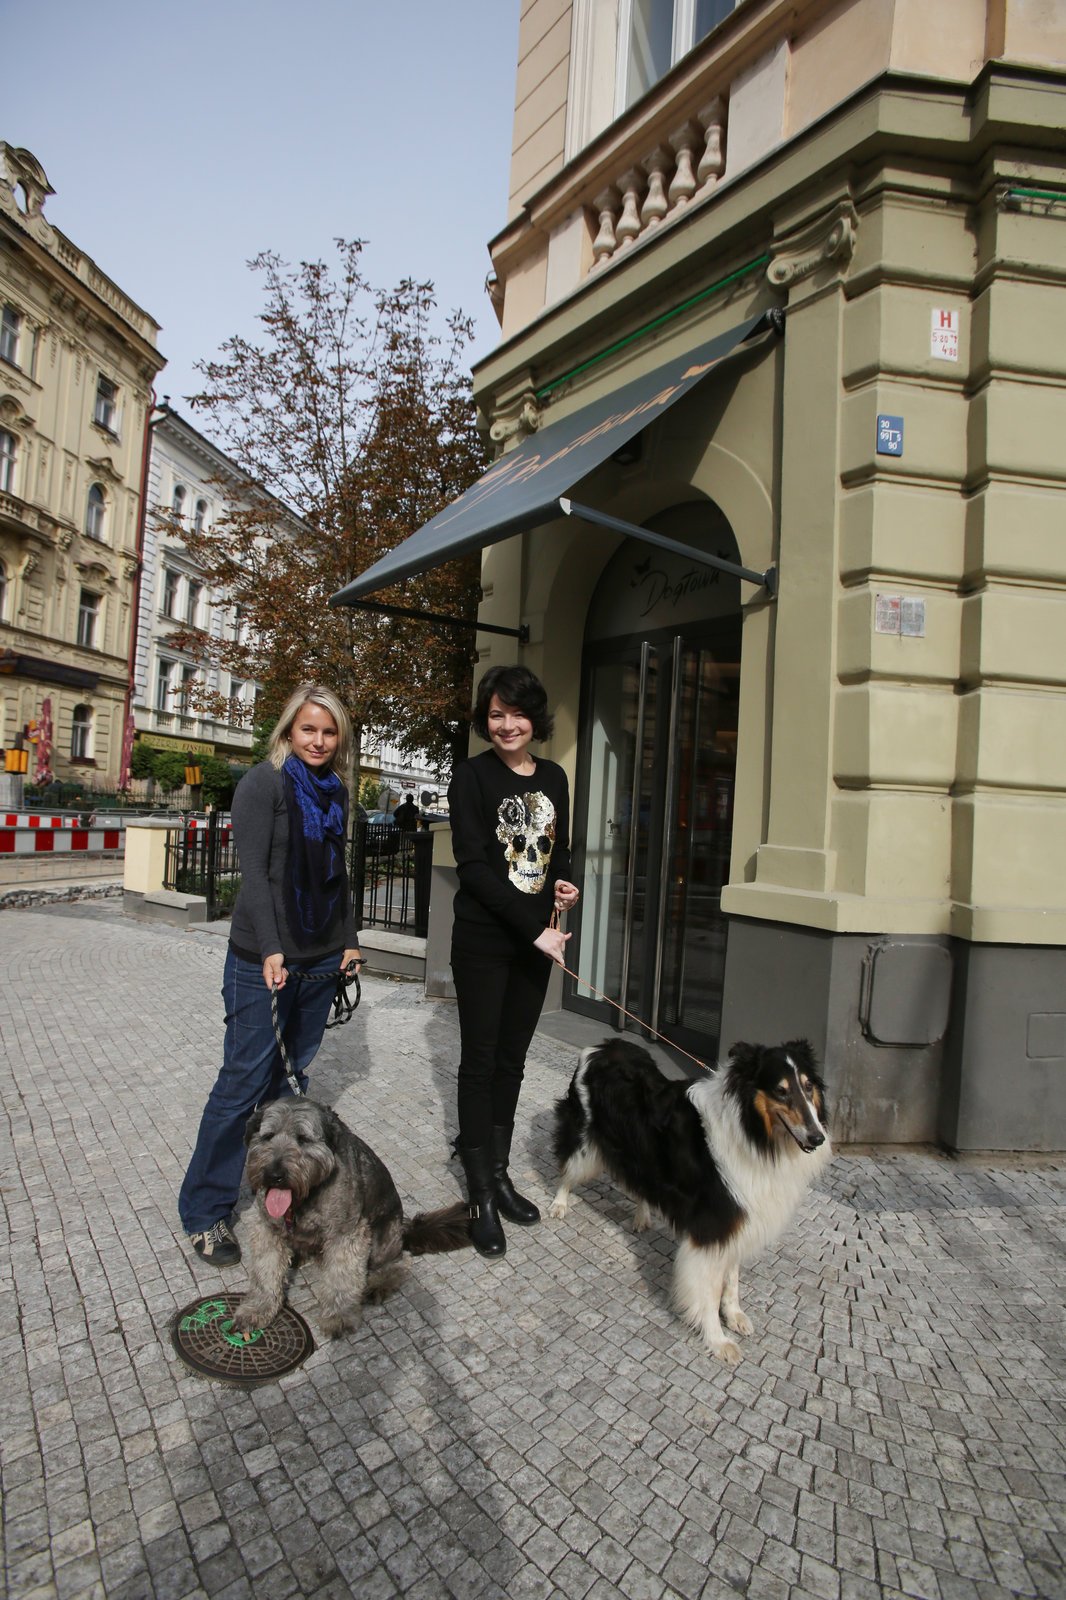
x: 292, y: 929
x: 510, y: 821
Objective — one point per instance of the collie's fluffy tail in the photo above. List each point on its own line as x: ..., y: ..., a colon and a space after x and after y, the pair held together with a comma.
x: 432, y: 1233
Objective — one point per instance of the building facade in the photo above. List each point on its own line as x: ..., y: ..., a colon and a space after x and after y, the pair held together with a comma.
x: 190, y: 482
x: 77, y: 362
x: 820, y: 791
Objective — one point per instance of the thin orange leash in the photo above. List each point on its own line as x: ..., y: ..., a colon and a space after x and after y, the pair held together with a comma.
x: 585, y: 984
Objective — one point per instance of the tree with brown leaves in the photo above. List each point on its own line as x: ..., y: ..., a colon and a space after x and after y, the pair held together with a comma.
x: 356, y: 415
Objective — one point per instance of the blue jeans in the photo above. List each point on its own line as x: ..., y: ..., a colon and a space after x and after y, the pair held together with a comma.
x: 252, y: 1073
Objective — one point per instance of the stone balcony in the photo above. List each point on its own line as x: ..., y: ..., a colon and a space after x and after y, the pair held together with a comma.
x: 769, y: 72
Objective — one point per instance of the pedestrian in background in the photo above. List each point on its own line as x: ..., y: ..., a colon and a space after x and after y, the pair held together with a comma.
x: 510, y: 821
x: 406, y: 815
x: 293, y: 930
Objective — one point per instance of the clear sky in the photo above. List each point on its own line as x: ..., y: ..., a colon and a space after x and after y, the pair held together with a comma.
x: 183, y: 139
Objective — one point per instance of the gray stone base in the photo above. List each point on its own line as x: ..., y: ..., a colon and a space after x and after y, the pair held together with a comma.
x: 1005, y: 1067
x: 924, y: 1040
x: 397, y: 955
x: 166, y: 905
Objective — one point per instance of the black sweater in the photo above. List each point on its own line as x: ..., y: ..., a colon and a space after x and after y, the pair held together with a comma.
x: 511, y: 837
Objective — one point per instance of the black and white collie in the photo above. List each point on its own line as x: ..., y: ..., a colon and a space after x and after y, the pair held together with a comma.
x: 725, y: 1161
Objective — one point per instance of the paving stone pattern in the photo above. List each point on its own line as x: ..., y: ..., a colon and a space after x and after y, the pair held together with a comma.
x: 536, y: 1427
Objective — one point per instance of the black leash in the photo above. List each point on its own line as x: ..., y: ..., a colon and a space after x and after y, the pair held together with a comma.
x: 343, y: 1008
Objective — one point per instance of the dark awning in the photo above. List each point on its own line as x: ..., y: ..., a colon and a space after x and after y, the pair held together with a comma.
x: 526, y: 486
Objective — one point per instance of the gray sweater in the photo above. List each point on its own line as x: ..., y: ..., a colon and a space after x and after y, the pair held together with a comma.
x: 261, y: 834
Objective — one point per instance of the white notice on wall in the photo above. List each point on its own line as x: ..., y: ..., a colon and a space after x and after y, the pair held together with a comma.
x: 911, y: 617
x: 886, y: 613
x: 944, y: 335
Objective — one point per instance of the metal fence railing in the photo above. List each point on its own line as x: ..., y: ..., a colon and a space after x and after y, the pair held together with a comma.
x: 390, y: 873
x: 389, y: 870
x: 201, y: 859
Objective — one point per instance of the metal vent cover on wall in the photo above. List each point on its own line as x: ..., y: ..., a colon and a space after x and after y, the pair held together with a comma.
x: 906, y: 992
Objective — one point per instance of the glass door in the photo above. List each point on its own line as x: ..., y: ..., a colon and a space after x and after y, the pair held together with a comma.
x: 653, y: 831
x: 614, y: 843
x: 697, y: 840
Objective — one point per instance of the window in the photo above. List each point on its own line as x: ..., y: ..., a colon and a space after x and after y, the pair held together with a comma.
x: 192, y: 603
x: 657, y: 34
x: 170, y: 593
x: 88, y: 611
x: 200, y: 516
x: 8, y: 446
x: 10, y: 327
x: 94, y: 513
x: 177, y: 500
x: 188, y: 682
x: 162, y: 685
x: 105, y: 412
x: 3, y: 590
x: 81, y: 734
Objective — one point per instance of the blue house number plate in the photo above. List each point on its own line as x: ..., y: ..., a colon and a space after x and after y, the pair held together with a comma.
x: 889, y: 436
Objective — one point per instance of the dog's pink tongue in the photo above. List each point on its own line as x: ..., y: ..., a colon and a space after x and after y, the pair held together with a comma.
x: 277, y: 1202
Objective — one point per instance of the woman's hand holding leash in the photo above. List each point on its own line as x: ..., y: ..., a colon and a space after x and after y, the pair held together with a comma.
x: 567, y: 895
x: 351, y: 961
x: 552, y: 943
x: 275, y: 972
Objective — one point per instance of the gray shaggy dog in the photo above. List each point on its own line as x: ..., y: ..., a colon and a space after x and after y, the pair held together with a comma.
x: 322, y: 1193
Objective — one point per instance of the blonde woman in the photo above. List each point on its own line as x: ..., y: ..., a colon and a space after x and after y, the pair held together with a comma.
x: 292, y: 924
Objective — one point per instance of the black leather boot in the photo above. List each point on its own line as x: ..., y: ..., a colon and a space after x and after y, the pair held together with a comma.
x: 486, y: 1230
x: 514, y: 1206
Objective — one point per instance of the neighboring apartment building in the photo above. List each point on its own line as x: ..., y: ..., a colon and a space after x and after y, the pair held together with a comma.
x: 405, y: 772
x: 783, y: 284
x: 192, y: 479
x: 77, y: 362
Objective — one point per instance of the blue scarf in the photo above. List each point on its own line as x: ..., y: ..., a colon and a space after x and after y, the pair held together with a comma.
x: 316, y: 881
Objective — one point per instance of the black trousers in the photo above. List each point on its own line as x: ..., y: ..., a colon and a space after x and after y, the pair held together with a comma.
x: 499, y: 992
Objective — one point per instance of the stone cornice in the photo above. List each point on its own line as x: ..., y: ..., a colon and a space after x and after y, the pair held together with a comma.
x: 79, y: 287
x: 104, y: 467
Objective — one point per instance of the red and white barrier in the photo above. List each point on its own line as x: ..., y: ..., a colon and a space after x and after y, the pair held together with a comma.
x: 28, y: 834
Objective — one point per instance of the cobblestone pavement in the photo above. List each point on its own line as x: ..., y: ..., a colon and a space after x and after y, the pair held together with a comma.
x: 540, y: 1426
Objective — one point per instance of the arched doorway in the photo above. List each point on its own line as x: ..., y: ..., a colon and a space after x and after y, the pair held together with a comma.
x: 656, y: 768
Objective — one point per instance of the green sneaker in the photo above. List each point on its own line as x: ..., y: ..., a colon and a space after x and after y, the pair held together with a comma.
x: 217, y: 1245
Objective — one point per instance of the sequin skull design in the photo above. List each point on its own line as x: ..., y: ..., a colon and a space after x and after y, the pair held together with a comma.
x: 527, y: 832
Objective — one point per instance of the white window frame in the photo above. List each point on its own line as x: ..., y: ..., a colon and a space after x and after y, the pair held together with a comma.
x: 199, y: 516
x: 3, y: 590
x: 177, y: 499
x: 194, y: 595
x: 95, y: 512
x: 186, y: 679
x: 682, y: 41
x: 168, y: 598
x: 81, y: 733
x: 10, y: 334
x: 105, y: 405
x: 8, y: 455
x: 88, y: 619
x: 164, y: 683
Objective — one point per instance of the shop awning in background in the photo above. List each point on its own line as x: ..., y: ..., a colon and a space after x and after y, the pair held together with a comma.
x: 529, y: 485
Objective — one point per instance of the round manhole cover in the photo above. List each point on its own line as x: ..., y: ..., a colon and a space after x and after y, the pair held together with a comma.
x: 204, y: 1338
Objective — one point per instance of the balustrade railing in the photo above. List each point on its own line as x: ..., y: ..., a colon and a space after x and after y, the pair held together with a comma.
x: 683, y: 167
